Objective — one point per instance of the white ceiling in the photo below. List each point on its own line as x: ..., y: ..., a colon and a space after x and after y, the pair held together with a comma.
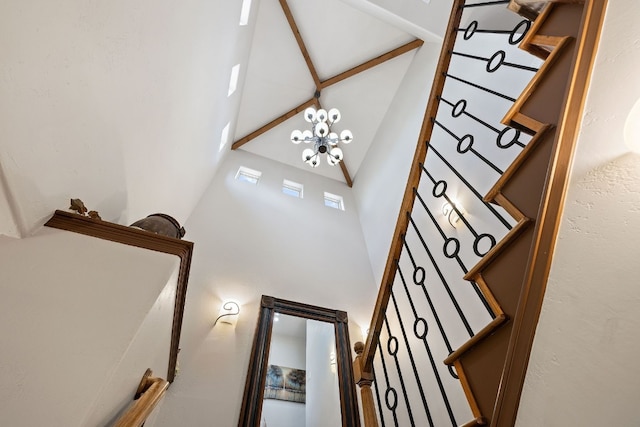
x: 338, y: 37
x: 123, y: 104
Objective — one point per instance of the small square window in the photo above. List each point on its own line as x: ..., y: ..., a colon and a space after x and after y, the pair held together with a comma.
x: 292, y: 188
x: 248, y: 175
x: 333, y: 201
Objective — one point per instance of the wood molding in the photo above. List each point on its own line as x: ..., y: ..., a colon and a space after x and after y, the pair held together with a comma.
x: 534, y: 286
x: 303, y: 49
x: 372, y: 63
x: 273, y: 123
x: 142, y: 239
x: 345, y: 173
x: 500, y: 318
x: 408, y: 199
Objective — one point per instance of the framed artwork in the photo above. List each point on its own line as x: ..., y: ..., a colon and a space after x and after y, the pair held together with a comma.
x: 285, y: 384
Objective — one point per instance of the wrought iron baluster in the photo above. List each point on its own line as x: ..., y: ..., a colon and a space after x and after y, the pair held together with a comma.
x: 392, y: 349
x: 390, y: 391
x: 375, y: 385
x: 419, y: 271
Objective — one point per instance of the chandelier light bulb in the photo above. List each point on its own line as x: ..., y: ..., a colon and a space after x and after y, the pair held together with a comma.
x: 333, y: 138
x: 296, y: 136
x: 315, y: 162
x: 321, y: 115
x: 346, y: 136
x: 322, y: 129
x: 310, y: 114
x: 307, y: 135
x: 337, y: 154
x: 331, y: 160
x: 308, y: 154
x: 334, y: 116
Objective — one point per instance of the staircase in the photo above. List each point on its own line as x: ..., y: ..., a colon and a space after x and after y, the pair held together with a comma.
x: 501, y: 242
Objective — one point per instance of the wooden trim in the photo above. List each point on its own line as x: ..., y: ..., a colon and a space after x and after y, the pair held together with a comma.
x: 475, y: 409
x: 250, y: 412
x: 538, y: 20
x: 481, y: 421
x: 372, y: 63
x: 562, y: 42
x: 490, y: 256
x: 151, y: 392
x: 515, y: 165
x: 500, y: 318
x: 142, y: 239
x: 303, y: 49
x: 409, y: 195
x: 273, y: 123
x: 345, y: 172
x: 530, y: 304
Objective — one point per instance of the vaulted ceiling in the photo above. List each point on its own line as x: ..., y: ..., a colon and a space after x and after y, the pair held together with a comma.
x: 323, y: 54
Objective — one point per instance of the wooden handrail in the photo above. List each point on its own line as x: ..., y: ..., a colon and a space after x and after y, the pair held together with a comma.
x: 402, y: 223
x: 149, y: 393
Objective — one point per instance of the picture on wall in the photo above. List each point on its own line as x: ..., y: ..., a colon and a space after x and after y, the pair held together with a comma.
x: 286, y: 384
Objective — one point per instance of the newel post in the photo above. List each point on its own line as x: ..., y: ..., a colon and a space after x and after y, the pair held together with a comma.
x: 364, y: 380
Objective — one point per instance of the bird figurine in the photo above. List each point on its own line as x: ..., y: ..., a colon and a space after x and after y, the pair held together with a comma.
x: 78, y: 206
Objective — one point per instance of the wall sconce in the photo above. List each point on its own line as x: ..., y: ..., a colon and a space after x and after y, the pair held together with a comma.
x: 229, y: 313
x: 450, y: 213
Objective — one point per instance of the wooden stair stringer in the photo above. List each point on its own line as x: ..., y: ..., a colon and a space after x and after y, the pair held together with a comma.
x: 551, y: 49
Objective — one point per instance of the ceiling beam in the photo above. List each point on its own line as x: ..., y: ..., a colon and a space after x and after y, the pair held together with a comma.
x: 301, y: 45
x: 371, y: 63
x: 345, y: 172
x: 286, y: 116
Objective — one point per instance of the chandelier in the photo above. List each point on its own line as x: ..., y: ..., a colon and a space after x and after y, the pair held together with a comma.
x: 323, y: 139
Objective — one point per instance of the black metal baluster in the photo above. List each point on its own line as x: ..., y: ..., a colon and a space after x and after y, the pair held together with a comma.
x: 422, y: 335
x: 473, y: 190
x: 454, y: 254
x: 487, y: 3
x: 393, y: 351
x: 375, y: 385
x: 412, y: 361
x: 390, y: 391
x: 420, y: 270
x: 462, y: 148
x: 477, y: 238
x: 477, y: 86
x: 460, y: 108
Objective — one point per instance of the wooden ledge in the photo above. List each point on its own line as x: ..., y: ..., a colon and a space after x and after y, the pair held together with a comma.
x: 142, y: 239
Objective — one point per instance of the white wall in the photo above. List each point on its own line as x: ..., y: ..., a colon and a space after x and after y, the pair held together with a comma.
x: 254, y: 240
x: 119, y: 103
x: 583, y: 368
x: 323, y: 390
x: 72, y: 320
x: 381, y: 179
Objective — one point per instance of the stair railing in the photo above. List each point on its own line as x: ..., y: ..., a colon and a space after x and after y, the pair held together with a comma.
x: 149, y: 393
x: 463, y: 275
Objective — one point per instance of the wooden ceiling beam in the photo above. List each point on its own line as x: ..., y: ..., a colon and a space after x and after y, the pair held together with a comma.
x: 301, y: 45
x: 345, y: 172
x: 275, y: 122
x: 371, y: 63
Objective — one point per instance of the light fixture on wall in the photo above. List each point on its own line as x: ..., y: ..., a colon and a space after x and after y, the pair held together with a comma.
x: 452, y: 211
x: 228, y: 314
x: 323, y: 139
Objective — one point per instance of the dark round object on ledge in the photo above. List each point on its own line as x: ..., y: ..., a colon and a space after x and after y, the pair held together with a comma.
x: 161, y: 224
